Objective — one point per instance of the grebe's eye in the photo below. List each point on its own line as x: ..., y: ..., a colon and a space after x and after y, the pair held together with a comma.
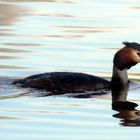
x: 138, y: 54
x: 137, y: 113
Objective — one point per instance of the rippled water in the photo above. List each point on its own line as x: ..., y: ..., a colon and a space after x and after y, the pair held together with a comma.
x: 65, y: 35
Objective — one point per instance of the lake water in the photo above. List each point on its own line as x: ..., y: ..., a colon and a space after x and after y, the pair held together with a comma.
x: 65, y: 35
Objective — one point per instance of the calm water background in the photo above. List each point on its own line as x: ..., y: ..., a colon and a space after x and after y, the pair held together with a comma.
x: 64, y: 35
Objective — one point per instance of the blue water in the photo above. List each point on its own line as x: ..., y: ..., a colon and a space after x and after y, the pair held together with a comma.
x: 65, y: 35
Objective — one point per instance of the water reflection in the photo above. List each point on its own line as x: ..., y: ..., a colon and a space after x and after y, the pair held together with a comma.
x: 22, y: 44
x: 136, y: 7
x: 9, y: 50
x: 89, y: 29
x: 9, y: 118
x: 127, y: 113
x: 65, y: 1
x: 41, y: 35
x: 12, y: 67
x: 9, y: 57
x: 10, y: 13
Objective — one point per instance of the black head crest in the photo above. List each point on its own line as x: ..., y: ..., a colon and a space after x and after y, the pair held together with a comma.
x: 133, y: 45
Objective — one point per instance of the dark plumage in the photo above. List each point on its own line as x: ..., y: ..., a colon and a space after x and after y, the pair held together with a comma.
x: 64, y: 82
x: 133, y: 45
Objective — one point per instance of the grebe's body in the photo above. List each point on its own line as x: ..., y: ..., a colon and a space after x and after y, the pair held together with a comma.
x: 64, y: 82
x: 70, y: 82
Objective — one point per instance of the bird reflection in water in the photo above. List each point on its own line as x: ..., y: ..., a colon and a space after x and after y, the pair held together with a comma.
x: 126, y: 110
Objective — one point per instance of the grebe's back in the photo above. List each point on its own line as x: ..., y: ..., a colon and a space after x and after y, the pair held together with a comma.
x: 64, y: 82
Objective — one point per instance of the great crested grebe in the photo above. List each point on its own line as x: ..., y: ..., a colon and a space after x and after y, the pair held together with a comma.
x: 71, y: 82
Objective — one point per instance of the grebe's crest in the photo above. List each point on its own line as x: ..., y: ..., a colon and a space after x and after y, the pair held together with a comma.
x: 132, y: 45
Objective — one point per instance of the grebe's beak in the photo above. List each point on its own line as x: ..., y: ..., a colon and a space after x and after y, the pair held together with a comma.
x: 127, y: 57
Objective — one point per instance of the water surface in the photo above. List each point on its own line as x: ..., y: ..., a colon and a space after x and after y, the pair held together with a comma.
x: 65, y: 35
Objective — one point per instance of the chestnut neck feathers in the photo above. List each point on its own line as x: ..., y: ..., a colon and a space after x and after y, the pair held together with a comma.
x: 124, y: 59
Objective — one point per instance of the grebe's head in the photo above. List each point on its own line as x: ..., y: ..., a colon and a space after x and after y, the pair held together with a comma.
x: 128, y: 56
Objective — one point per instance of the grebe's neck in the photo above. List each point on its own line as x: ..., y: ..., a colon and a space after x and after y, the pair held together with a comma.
x: 119, y: 77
